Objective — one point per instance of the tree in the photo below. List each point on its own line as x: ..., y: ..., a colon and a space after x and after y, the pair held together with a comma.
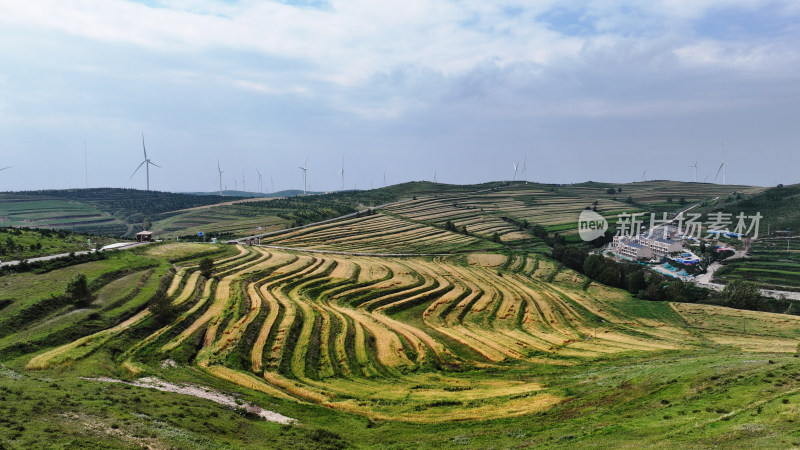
x: 206, y: 267
x: 496, y: 237
x: 161, y: 307
x: 78, y: 291
x: 574, y: 258
x: 741, y: 294
x: 676, y: 291
x: 146, y: 223
x: 636, y: 282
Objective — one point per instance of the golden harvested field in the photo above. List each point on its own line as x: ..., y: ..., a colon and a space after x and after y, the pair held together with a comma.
x: 408, y: 338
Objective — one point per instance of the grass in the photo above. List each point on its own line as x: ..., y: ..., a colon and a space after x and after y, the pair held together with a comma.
x: 404, y: 328
x: 25, y: 243
x: 772, y: 265
x: 474, y: 350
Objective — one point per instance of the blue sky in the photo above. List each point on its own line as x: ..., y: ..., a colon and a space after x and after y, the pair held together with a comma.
x: 588, y: 90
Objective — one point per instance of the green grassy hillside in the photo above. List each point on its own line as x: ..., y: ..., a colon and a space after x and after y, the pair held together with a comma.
x: 475, y: 351
x: 106, y: 211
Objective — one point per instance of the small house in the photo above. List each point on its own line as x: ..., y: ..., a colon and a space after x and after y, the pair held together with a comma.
x: 144, y: 236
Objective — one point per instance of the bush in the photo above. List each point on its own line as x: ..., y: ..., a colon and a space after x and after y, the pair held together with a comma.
x: 206, y: 267
x: 741, y: 294
x: 78, y: 291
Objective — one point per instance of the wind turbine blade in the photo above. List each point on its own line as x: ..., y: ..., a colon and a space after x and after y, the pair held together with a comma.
x: 137, y: 169
x: 306, y: 163
x: 718, y: 170
x: 154, y: 164
x: 7, y: 167
x: 143, y: 147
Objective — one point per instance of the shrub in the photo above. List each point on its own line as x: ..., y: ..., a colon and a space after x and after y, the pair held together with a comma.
x: 206, y: 267
x: 78, y: 291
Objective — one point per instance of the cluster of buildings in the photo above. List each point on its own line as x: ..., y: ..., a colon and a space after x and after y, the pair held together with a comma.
x: 652, y: 245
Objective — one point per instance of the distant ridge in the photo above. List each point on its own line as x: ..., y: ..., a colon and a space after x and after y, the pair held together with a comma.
x: 245, y: 194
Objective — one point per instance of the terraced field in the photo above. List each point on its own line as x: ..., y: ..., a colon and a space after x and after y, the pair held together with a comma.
x: 23, y: 211
x: 655, y: 194
x: 378, y: 233
x: 397, y: 338
x: 482, y: 213
x: 215, y: 219
x: 462, y: 341
x: 774, y: 264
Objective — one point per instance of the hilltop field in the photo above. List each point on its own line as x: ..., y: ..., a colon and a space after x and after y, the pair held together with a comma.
x: 474, y: 339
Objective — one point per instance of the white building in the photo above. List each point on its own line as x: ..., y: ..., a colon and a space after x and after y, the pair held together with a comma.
x: 625, y: 246
x: 661, y: 247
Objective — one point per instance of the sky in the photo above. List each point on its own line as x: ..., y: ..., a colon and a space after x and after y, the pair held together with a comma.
x: 601, y: 90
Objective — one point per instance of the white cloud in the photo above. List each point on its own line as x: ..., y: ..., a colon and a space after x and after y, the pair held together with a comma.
x: 403, y: 71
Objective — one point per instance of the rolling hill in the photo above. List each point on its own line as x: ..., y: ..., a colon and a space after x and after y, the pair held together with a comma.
x: 484, y: 343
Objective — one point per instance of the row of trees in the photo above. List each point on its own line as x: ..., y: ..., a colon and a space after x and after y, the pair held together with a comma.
x: 656, y: 287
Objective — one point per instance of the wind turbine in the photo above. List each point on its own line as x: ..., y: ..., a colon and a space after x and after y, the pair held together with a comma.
x: 271, y: 184
x: 695, y: 170
x: 434, y: 176
x: 341, y: 172
x: 643, y: 174
x: 724, y: 165
x: 244, y: 186
x: 524, y: 164
x: 516, y: 166
x: 384, y: 177
x: 220, y: 178
x: 147, y: 163
x: 260, y: 185
x: 304, y: 168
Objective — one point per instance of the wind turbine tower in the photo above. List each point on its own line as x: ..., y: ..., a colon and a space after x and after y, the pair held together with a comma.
x: 516, y: 166
x: 724, y: 168
x: 260, y: 185
x: 304, y: 168
x: 219, y: 176
x: 147, y: 163
x: 341, y: 172
x: 695, y: 170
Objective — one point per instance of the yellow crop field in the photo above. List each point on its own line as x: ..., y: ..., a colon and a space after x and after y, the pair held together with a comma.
x: 362, y: 333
